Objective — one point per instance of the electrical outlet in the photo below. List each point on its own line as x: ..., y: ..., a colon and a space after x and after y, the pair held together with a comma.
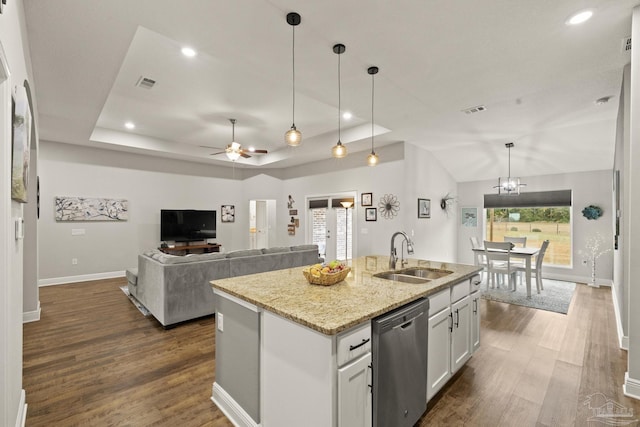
x: 74, y: 261
x: 220, y: 322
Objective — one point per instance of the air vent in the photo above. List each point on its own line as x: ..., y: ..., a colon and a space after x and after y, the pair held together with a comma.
x: 474, y: 110
x: 145, y: 82
x: 626, y: 44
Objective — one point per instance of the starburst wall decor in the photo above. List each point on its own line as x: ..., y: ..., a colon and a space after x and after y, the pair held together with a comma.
x: 389, y: 206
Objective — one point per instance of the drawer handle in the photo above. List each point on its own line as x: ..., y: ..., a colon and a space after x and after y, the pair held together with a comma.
x: 364, y: 341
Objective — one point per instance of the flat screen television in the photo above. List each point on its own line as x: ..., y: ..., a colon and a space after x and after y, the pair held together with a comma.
x: 187, y: 225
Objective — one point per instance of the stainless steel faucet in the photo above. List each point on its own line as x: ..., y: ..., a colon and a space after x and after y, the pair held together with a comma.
x: 394, y: 258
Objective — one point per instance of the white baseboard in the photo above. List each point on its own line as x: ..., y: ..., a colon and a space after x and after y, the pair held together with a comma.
x: 631, y: 387
x: 230, y: 408
x: 21, y: 419
x: 577, y: 279
x: 623, y: 341
x: 80, y: 278
x: 31, y: 316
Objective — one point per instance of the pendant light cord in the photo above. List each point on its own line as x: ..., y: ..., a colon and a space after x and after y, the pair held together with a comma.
x: 372, y: 100
x: 339, y: 98
x: 293, y: 66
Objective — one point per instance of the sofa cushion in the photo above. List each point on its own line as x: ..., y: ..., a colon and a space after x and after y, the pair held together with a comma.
x: 276, y: 250
x: 244, y: 252
x: 304, y: 247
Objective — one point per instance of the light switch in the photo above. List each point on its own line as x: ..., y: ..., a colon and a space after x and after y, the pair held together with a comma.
x: 364, y: 231
x: 220, y: 322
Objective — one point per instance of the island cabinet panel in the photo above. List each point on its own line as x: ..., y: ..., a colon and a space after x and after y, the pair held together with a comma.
x: 354, y: 393
x: 236, y: 388
x: 439, y: 351
x: 298, y: 374
x: 450, y: 321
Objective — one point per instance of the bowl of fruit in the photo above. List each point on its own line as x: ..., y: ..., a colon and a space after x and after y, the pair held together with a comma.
x: 326, y: 274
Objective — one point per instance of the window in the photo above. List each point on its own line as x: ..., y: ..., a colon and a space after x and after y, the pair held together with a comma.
x: 536, y: 224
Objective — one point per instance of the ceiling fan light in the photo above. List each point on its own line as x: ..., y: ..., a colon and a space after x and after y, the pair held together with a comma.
x: 339, y: 150
x: 293, y: 137
x: 233, y: 155
x: 372, y: 159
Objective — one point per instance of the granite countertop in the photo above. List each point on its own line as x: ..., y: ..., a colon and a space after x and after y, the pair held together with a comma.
x: 332, y: 309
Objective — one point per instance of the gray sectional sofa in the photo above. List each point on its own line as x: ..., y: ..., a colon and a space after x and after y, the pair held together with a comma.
x: 176, y: 288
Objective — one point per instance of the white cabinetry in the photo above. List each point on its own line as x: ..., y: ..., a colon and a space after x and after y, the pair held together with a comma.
x: 354, y: 377
x: 475, y: 313
x: 450, y: 324
x: 354, y: 393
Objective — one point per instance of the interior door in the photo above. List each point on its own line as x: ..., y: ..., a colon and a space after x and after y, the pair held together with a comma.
x: 262, y: 221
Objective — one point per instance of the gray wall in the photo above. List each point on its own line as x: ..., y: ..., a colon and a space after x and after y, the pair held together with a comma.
x: 588, y: 188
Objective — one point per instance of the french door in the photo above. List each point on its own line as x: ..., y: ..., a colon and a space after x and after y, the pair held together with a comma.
x: 331, y: 226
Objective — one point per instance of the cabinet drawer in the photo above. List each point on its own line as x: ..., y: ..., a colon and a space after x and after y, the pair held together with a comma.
x: 354, y: 343
x: 475, y: 283
x: 438, y: 302
x: 459, y: 291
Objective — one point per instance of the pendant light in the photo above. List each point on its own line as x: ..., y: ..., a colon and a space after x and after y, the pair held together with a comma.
x: 293, y: 136
x: 372, y: 159
x: 339, y: 151
x: 509, y: 186
x: 233, y: 149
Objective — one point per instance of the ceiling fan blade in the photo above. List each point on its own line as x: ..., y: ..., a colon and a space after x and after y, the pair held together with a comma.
x: 245, y: 155
x: 260, y: 151
x: 219, y: 152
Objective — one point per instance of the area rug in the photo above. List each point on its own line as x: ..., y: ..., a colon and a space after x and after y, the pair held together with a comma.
x: 135, y: 302
x: 556, y: 295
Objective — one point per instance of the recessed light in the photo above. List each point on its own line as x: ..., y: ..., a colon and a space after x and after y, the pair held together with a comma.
x: 189, y: 52
x: 130, y: 125
x: 580, y: 17
x: 347, y: 115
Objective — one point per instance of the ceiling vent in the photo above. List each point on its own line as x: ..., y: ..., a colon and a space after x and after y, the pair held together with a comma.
x: 626, y: 44
x: 474, y: 110
x: 145, y: 82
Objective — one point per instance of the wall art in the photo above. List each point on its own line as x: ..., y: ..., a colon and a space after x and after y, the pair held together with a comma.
x: 371, y: 214
x: 389, y: 206
x: 366, y: 199
x: 21, y: 146
x: 469, y: 217
x: 90, y: 209
x: 228, y: 213
x: 424, y: 208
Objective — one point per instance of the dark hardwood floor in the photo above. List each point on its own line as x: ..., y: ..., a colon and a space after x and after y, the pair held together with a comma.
x: 94, y: 360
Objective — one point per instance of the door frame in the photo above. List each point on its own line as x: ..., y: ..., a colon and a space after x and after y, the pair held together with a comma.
x: 354, y: 216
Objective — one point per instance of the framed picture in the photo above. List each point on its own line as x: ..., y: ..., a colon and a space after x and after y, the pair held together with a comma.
x: 469, y: 217
x: 21, y: 146
x: 228, y: 213
x: 371, y: 214
x: 293, y: 211
x: 424, y: 208
x: 366, y: 199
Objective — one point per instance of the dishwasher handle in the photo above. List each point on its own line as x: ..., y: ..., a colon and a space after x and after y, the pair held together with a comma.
x: 408, y: 322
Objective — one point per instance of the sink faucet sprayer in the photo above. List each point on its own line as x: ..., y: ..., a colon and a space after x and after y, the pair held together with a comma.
x: 393, y: 259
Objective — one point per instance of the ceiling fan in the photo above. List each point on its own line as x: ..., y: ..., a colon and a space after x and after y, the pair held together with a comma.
x: 234, y: 150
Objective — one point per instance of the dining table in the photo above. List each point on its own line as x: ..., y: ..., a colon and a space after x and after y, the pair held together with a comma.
x: 526, y: 253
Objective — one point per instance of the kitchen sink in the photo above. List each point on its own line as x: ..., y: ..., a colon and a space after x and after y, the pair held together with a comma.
x: 398, y: 277
x: 417, y: 275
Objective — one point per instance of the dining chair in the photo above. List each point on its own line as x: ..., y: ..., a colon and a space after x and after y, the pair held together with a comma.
x: 480, y: 258
x: 520, y: 241
x: 537, y: 268
x: 498, y: 255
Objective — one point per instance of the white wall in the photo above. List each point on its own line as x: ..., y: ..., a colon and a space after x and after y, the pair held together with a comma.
x: 14, y: 70
x: 587, y: 188
x: 149, y: 184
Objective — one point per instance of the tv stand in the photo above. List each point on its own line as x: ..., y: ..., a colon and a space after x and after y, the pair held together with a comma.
x: 187, y: 249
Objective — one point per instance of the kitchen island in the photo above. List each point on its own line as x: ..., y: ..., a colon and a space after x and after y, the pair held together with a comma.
x: 291, y: 353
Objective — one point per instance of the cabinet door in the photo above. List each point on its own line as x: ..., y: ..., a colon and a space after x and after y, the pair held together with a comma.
x: 475, y: 321
x: 354, y: 393
x: 461, y: 333
x: 439, y: 352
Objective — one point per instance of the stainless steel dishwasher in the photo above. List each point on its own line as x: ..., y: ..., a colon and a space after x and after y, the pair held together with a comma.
x: 399, y: 350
